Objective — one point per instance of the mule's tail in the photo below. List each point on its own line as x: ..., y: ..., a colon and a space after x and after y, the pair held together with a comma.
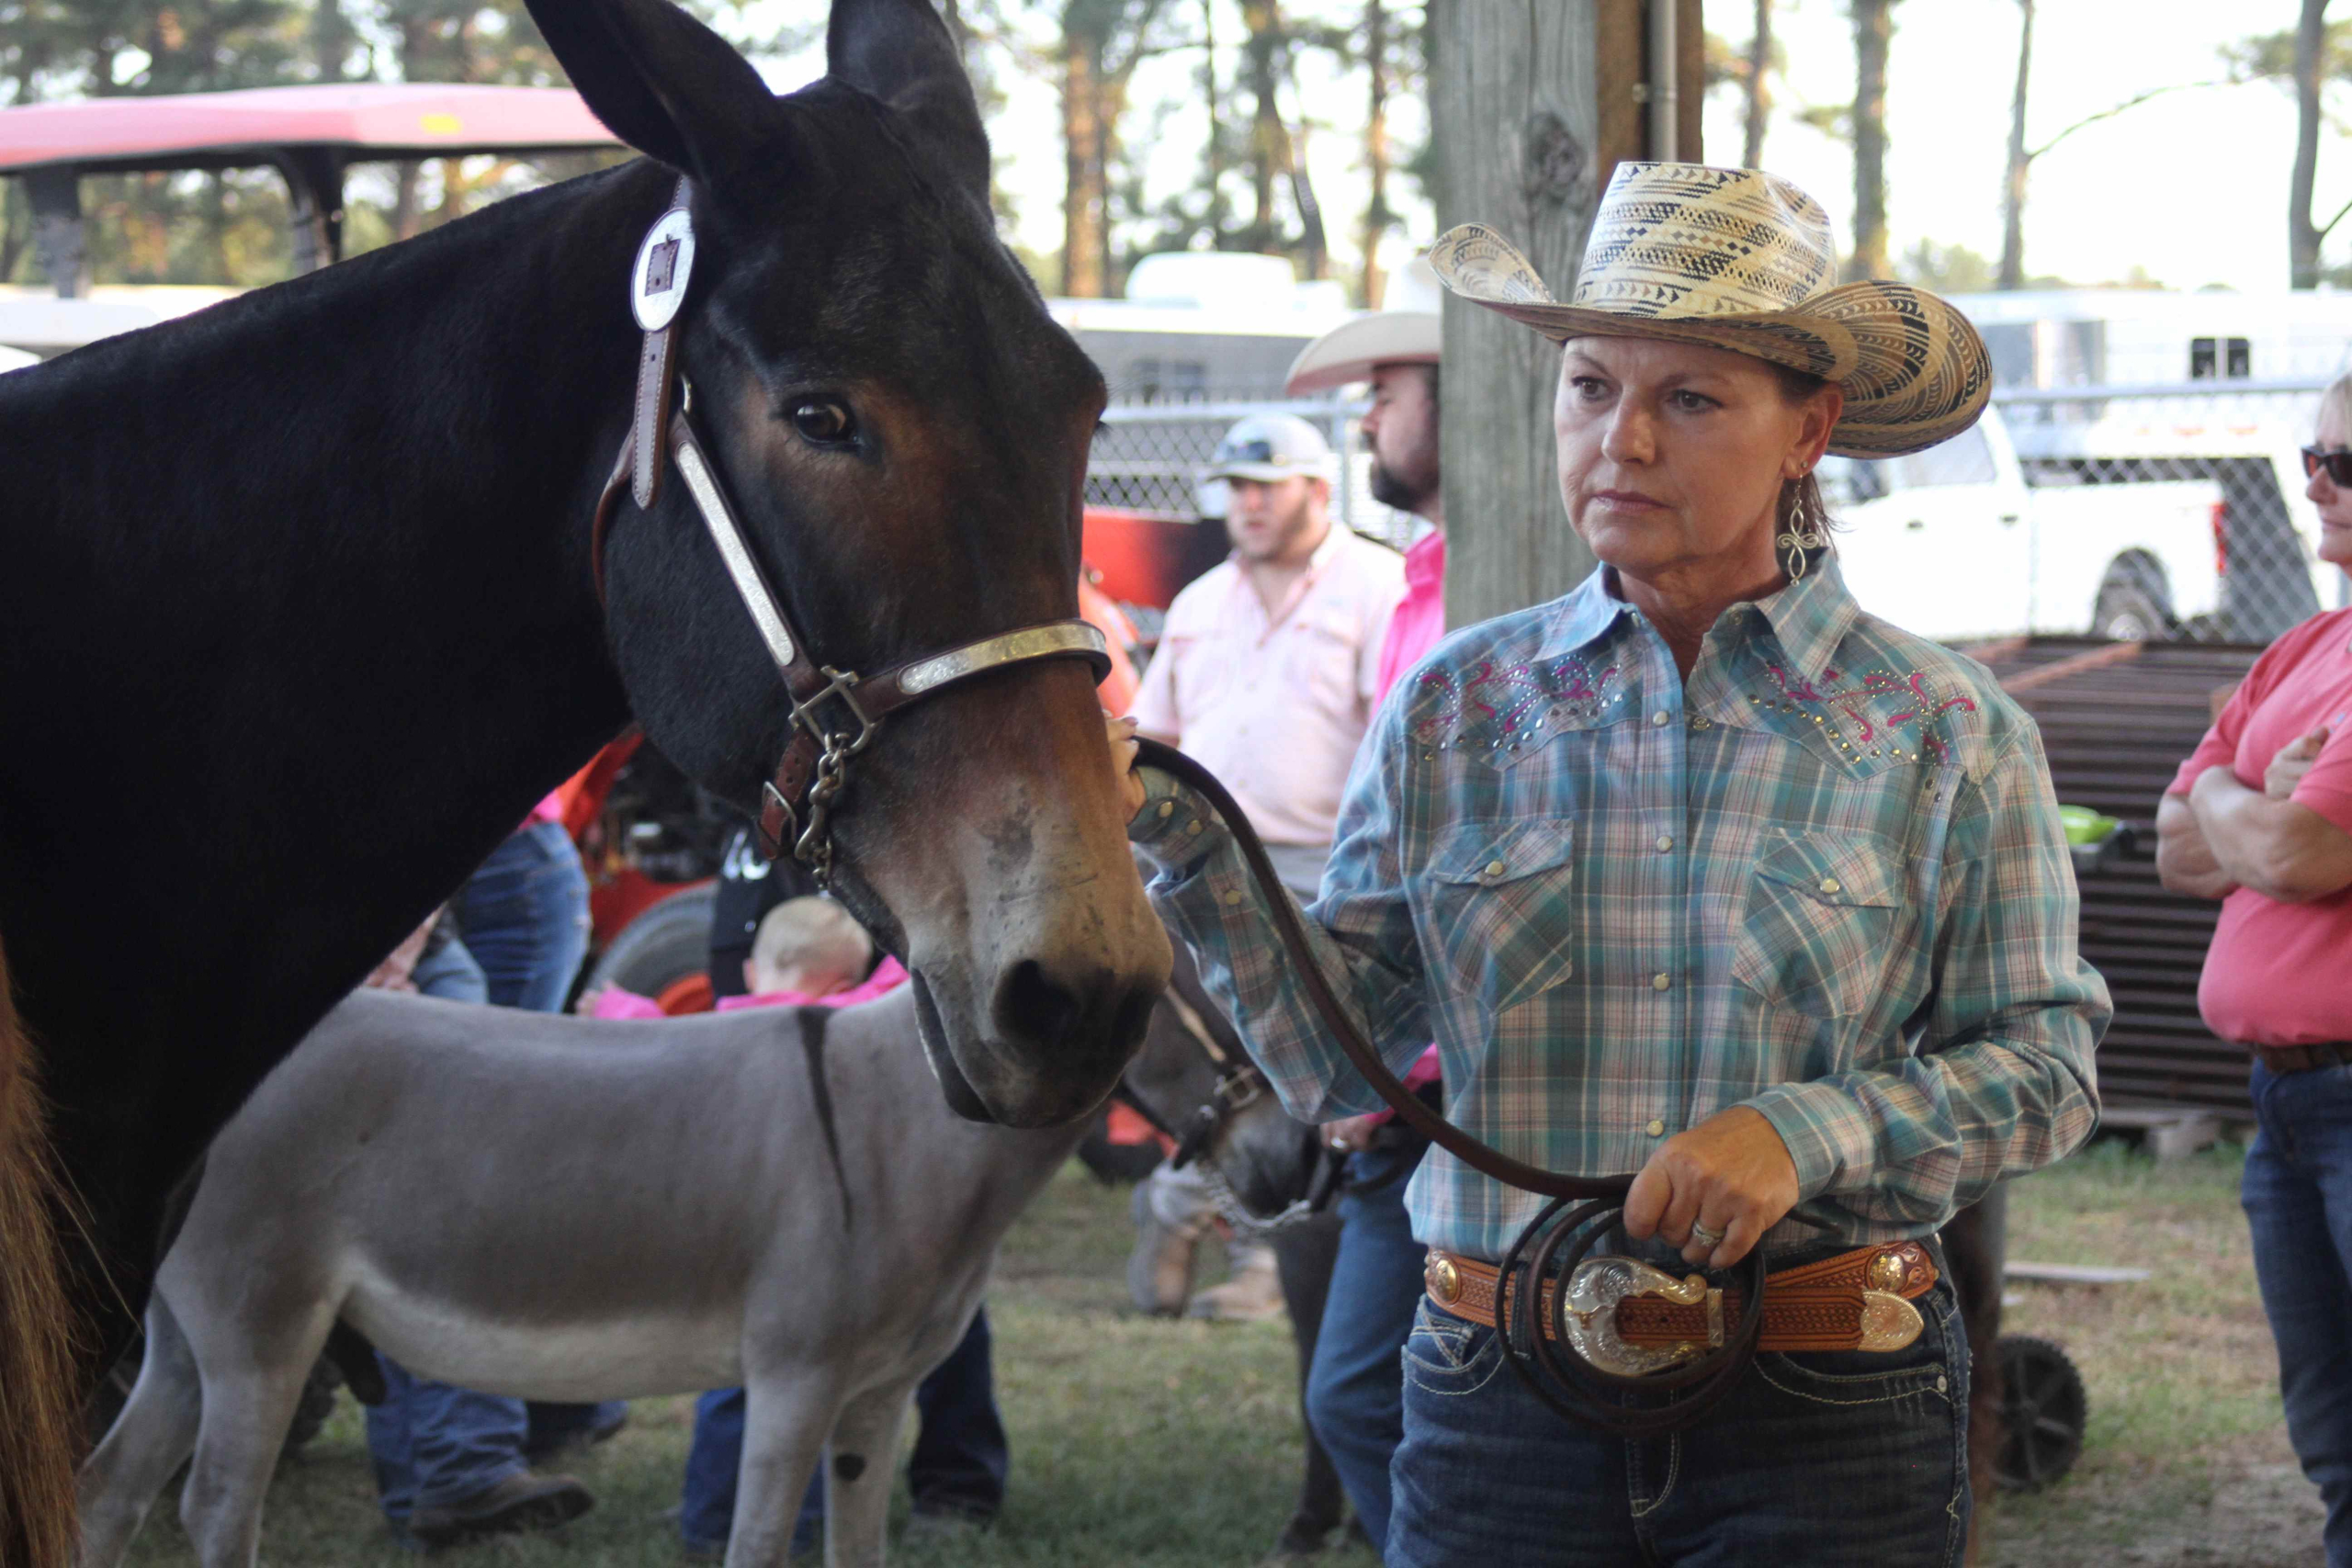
x: 38, y: 1430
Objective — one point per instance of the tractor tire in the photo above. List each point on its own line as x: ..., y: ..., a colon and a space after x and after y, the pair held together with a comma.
x: 2043, y: 1411
x: 661, y: 952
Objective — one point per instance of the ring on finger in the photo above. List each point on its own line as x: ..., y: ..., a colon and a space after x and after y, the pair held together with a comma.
x: 1705, y: 1236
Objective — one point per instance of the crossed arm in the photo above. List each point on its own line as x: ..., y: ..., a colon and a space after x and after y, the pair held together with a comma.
x: 2222, y: 836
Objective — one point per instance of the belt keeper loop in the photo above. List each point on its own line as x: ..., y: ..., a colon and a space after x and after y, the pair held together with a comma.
x: 1524, y: 1325
x: 1714, y: 1320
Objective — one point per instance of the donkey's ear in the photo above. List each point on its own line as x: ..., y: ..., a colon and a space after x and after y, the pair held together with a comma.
x: 660, y: 81
x: 900, y: 51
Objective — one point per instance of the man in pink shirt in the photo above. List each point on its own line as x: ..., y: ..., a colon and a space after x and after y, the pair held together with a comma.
x: 1354, y: 1384
x: 2260, y: 816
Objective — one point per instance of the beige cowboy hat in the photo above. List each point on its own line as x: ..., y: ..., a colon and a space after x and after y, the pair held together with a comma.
x: 1404, y: 331
x: 1743, y: 260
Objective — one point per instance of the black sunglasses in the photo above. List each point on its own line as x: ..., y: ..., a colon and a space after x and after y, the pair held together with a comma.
x: 2337, y: 463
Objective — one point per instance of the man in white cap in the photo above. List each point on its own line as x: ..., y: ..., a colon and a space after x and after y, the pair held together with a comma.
x: 1354, y: 1392
x: 1267, y: 673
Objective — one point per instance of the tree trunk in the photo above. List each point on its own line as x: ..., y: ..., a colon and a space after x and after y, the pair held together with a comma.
x: 1873, y: 30
x: 1759, y: 100
x: 2021, y: 161
x: 1514, y: 106
x: 1085, y: 193
x: 2303, y: 235
x: 1269, y: 144
x: 1376, y: 215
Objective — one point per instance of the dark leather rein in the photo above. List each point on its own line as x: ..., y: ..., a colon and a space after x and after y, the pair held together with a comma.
x: 834, y: 712
x: 1581, y: 1215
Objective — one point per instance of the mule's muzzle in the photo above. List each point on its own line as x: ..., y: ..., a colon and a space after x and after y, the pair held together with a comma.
x: 1043, y: 1055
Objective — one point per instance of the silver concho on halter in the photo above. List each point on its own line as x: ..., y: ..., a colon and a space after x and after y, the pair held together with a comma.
x: 657, y: 285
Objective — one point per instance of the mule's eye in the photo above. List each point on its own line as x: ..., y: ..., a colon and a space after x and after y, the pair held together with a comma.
x: 824, y: 420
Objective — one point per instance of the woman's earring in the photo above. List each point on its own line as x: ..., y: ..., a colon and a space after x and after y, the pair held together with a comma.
x: 1800, y: 535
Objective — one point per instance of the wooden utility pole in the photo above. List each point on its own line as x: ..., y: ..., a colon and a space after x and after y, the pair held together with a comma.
x: 1533, y: 103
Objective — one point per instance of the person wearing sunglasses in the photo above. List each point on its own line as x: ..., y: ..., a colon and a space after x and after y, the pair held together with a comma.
x: 2260, y: 818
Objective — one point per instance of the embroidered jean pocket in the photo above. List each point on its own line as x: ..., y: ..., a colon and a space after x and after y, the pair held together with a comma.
x: 1820, y: 914
x: 1494, y: 909
x: 1445, y: 1355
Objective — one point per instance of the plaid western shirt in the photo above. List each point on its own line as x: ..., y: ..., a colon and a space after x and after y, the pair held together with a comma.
x: 1824, y: 877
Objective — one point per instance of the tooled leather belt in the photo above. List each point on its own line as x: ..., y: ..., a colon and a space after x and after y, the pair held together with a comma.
x: 1629, y: 1317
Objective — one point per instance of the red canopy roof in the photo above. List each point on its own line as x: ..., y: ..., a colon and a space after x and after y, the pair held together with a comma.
x: 363, y: 119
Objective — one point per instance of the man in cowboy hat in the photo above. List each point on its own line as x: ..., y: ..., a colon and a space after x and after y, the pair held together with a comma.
x: 1266, y: 673
x: 1705, y: 879
x: 1355, y: 1387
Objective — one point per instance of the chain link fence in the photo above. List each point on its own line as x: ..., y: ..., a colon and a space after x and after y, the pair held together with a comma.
x: 2170, y: 513
x: 1148, y: 457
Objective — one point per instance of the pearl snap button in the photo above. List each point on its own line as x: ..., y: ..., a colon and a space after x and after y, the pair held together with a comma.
x: 1167, y: 808
x: 1656, y: 1129
x: 1193, y: 828
x: 1234, y: 896
x: 1661, y: 717
x: 1660, y: 981
x: 1665, y: 842
x: 1829, y: 884
x: 1494, y: 868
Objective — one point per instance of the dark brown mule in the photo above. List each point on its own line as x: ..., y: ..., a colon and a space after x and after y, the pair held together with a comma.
x: 297, y: 617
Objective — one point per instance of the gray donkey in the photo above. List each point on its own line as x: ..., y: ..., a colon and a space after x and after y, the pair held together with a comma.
x: 558, y: 1208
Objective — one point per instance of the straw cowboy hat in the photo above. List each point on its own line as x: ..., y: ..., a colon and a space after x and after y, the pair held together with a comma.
x: 1404, y: 331
x: 1743, y: 260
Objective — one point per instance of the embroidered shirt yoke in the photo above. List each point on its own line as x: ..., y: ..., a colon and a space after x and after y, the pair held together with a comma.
x: 1825, y: 878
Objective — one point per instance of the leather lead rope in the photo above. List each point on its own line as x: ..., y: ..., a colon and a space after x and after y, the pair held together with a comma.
x: 1551, y: 1244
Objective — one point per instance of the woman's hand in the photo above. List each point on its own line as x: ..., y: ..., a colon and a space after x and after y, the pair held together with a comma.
x: 1123, y: 759
x: 1731, y: 1174
x: 2291, y: 762
x: 1352, y: 1134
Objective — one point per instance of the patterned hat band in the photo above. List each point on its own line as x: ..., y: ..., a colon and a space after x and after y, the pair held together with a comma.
x: 1742, y: 260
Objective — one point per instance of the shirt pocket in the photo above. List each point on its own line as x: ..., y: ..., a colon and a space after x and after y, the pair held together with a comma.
x: 1820, y: 915
x: 1496, y: 906
x: 1328, y: 650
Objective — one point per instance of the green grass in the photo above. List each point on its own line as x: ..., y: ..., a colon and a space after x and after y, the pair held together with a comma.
x: 1174, y: 1445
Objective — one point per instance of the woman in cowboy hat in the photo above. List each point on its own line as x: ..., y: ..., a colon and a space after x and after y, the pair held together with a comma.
x: 1701, y: 872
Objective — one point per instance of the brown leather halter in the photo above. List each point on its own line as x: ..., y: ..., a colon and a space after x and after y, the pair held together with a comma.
x: 834, y: 712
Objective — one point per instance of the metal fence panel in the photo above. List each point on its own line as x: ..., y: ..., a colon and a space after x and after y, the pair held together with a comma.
x: 1148, y: 456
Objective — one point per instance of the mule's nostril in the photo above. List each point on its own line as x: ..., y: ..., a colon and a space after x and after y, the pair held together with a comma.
x: 1034, y: 1006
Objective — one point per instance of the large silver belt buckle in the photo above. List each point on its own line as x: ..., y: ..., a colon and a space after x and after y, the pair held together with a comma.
x: 1599, y: 1283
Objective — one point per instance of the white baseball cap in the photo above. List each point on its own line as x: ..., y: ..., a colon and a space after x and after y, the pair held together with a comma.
x: 1271, y: 447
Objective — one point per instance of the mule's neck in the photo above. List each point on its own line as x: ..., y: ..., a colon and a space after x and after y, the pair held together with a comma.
x: 294, y: 597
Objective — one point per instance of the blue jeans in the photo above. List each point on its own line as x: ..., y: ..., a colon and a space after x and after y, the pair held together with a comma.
x: 525, y: 917
x: 2298, y: 1195
x: 1355, y: 1389
x: 958, y: 1466
x: 1848, y: 1458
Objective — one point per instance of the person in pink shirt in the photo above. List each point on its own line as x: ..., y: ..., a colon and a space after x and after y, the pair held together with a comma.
x: 1354, y: 1384
x: 2260, y: 816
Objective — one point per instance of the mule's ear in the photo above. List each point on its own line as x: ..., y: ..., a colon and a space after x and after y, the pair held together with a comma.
x: 900, y: 51
x: 659, y: 80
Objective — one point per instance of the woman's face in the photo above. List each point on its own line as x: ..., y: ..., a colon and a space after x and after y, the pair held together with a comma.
x: 2335, y: 502
x: 1672, y: 456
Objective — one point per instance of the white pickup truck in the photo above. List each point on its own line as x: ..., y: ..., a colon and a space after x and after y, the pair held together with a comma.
x: 1952, y: 544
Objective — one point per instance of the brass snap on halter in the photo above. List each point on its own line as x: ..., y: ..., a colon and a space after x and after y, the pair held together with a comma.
x: 1445, y: 1279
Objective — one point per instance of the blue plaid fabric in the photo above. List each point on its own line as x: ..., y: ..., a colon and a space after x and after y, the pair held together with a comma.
x: 1824, y: 877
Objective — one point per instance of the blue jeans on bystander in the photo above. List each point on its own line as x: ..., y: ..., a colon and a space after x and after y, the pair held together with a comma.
x: 1355, y: 1388
x: 958, y: 1466
x: 2297, y: 1190
x: 1850, y: 1460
